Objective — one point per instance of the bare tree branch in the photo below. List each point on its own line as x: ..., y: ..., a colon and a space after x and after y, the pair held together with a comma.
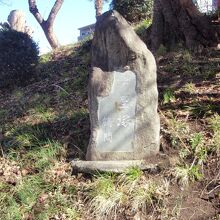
x: 54, y: 11
x: 47, y: 25
x: 34, y: 10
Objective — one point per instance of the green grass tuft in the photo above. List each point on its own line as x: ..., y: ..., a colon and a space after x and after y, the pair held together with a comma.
x: 168, y: 96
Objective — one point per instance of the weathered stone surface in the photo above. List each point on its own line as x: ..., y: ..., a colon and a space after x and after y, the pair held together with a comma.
x: 17, y: 21
x: 112, y: 166
x: 123, y: 94
x: 116, y: 115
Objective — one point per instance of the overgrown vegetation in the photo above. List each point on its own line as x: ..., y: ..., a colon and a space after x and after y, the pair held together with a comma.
x: 134, y: 10
x: 18, y: 58
x: 46, y: 124
x: 109, y: 195
x: 142, y: 26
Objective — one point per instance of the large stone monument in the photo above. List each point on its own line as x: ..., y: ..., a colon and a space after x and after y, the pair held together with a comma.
x: 123, y: 96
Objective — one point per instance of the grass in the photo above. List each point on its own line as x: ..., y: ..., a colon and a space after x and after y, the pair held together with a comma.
x: 28, y: 191
x: 216, y: 141
x: 162, y: 50
x: 196, y: 141
x: 190, y: 69
x: 44, y: 156
x: 20, y: 199
x: 178, y: 130
x: 25, y: 136
x: 45, y: 58
x: 141, y: 27
x: 109, y: 194
x: 133, y: 174
x: 168, y: 96
x: 190, y: 88
x: 63, y: 92
x: 105, y: 198
x: 214, y: 124
x: 199, y: 149
x: 59, y: 206
x: 12, y: 211
x: 150, y: 198
x: 41, y: 192
x: 45, y: 189
x: 36, y: 181
x: 47, y: 123
x: 192, y: 148
x: 81, y: 80
x: 187, y: 56
x: 42, y: 113
x: 190, y: 65
x: 18, y: 94
x: 201, y: 109
x: 187, y: 173
x: 37, y: 199
x: 3, y: 113
x: 144, y: 197
x: 32, y: 147
x: 195, y: 148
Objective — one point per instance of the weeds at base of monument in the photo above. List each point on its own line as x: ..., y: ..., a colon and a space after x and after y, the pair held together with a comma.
x: 109, y: 194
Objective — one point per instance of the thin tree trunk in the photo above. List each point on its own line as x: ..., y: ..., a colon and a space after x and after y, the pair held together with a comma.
x: 180, y: 21
x: 98, y: 7
x: 47, y: 25
x: 51, y: 37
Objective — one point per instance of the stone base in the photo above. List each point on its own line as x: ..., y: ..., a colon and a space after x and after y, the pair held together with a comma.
x: 111, y: 166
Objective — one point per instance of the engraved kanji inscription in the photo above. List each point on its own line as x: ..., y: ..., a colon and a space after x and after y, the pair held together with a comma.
x: 116, y: 115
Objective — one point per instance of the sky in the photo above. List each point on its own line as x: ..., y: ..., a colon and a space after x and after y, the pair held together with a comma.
x: 72, y: 15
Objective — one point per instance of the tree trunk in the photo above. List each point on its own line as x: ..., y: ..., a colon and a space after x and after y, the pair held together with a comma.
x: 47, y: 25
x: 51, y: 37
x: 179, y: 21
x: 98, y: 7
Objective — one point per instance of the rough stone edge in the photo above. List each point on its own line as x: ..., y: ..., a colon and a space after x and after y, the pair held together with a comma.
x: 119, y: 166
x: 146, y: 148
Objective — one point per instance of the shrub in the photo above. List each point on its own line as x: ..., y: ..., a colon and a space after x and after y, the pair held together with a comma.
x: 133, y: 10
x: 142, y: 26
x: 18, y: 58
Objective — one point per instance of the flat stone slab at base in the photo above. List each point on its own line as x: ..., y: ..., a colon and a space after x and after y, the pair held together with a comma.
x: 120, y: 166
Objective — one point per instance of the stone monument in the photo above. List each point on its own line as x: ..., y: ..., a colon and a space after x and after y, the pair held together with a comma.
x: 17, y: 21
x: 123, y: 95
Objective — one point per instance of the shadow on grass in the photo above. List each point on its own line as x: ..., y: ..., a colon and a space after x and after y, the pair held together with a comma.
x: 72, y: 133
x: 179, y: 68
x: 66, y: 67
x: 64, y: 60
x: 61, y: 88
x: 196, y: 109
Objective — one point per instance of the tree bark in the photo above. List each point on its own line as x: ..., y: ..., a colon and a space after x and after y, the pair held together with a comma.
x: 98, y: 7
x: 179, y: 21
x: 47, y: 25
